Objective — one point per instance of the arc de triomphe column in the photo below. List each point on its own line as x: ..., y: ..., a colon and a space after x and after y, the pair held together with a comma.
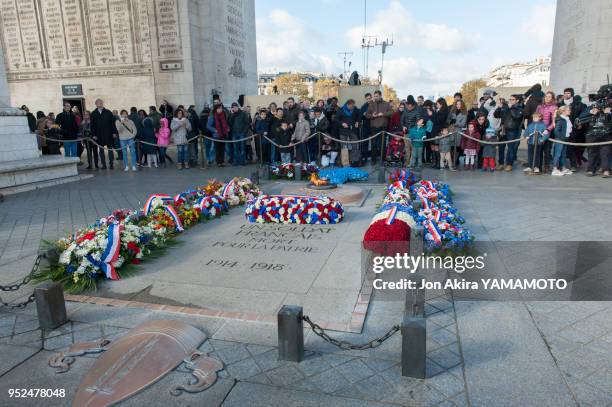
x: 21, y: 165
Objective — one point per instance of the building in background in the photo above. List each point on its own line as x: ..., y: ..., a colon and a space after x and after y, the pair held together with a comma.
x: 520, y: 74
x: 303, y: 82
x: 128, y: 52
x: 582, y: 46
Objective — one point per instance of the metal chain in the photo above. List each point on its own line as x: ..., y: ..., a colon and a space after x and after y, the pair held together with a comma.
x: 19, y: 305
x: 26, y: 279
x: 17, y: 286
x: 374, y: 343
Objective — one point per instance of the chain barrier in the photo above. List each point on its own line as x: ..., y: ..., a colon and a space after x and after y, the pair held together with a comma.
x: 293, y: 144
x: 374, y: 343
x: 17, y: 286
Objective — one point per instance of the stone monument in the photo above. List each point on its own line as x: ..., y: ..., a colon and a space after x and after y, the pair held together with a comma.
x: 20, y: 160
x: 582, y: 51
x: 128, y: 52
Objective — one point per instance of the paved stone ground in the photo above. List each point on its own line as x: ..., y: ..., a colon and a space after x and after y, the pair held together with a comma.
x: 479, y: 353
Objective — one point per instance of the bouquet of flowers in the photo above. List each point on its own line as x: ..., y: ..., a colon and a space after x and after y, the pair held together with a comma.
x: 441, y: 221
x: 238, y: 191
x: 389, y: 231
x: 287, y: 170
x: 294, y: 209
x: 113, y: 244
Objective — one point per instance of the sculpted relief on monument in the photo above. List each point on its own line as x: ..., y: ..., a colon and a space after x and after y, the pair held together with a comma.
x: 66, y: 38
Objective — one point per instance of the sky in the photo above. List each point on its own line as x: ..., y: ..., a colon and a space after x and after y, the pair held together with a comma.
x: 437, y: 46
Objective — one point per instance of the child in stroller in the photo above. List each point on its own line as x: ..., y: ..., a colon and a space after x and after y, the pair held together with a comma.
x: 395, y: 150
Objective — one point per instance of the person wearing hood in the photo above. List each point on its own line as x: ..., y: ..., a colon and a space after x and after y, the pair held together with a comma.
x: 149, y: 148
x: 575, y: 153
x: 533, y: 98
x: 302, y: 131
x: 379, y: 112
x: 194, y: 119
x: 348, y: 125
x: 163, y: 139
x: 489, y: 151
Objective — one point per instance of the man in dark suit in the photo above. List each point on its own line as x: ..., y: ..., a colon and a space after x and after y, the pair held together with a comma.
x: 103, y: 131
x: 70, y: 130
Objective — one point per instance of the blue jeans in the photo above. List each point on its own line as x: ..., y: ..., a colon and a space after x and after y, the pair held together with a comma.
x: 125, y: 144
x: 238, y: 158
x: 162, y: 154
x: 285, y: 157
x: 209, y: 146
x: 511, y: 148
x: 182, y: 153
x: 70, y: 148
x: 559, y: 155
x: 272, y: 153
x: 417, y: 157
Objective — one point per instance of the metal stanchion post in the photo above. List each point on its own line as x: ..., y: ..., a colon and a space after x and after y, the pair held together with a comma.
x: 414, y: 327
x: 261, y: 162
x: 536, y: 138
x: 319, y: 152
x: 290, y: 333
x: 203, y: 158
x: 381, y: 168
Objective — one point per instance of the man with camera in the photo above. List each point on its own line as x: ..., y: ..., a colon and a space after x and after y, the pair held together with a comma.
x: 511, y: 116
x: 598, y: 124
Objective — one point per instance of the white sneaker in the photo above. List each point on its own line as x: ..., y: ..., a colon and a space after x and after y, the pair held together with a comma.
x: 155, y: 165
x: 536, y: 170
x: 556, y: 172
x: 528, y: 169
x: 134, y: 168
x: 567, y: 171
x: 126, y: 169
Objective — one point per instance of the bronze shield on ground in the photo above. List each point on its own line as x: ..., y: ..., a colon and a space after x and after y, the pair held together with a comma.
x: 144, y: 355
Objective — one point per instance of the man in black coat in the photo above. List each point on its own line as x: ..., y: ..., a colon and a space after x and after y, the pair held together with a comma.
x: 103, y: 131
x: 66, y: 120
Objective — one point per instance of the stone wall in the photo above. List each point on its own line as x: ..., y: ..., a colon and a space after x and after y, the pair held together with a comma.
x: 5, y: 97
x: 128, y: 52
x: 582, y: 48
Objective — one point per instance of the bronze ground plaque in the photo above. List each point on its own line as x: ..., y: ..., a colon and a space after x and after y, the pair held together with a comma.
x: 135, y: 361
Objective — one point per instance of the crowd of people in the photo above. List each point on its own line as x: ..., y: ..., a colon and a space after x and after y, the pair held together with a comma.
x: 413, y: 133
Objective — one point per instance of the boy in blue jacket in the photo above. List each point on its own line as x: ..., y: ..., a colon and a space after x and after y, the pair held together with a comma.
x: 417, y: 134
x: 536, y: 135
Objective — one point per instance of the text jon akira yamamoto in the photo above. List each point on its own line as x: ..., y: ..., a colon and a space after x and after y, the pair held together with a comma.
x: 484, y: 283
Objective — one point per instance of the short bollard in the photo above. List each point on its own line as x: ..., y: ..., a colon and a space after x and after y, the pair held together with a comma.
x: 50, y: 305
x: 298, y: 172
x: 381, y: 175
x: 290, y: 333
x: 413, y: 347
x: 414, y: 325
x: 416, y: 237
